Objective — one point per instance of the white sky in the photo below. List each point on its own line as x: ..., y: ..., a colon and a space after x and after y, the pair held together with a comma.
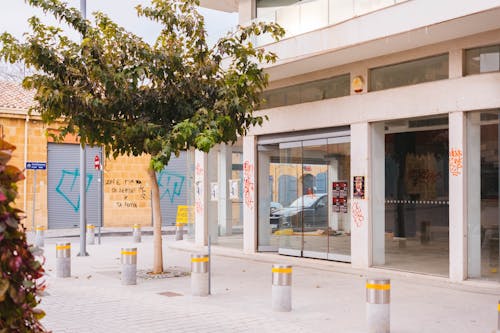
x: 14, y: 16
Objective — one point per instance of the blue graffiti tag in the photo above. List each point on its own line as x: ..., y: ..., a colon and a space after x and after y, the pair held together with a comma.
x: 170, y: 184
x: 67, y: 189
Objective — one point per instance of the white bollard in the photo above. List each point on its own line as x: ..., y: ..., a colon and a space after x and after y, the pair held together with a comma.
x: 129, y: 265
x: 498, y: 322
x: 136, y: 233
x: 282, y: 288
x: 378, y: 301
x: 63, y: 260
x: 90, y: 234
x: 39, y: 236
x: 199, y: 274
x: 179, y: 231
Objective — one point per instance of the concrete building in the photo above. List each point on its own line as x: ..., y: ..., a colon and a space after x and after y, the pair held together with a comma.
x: 382, y: 145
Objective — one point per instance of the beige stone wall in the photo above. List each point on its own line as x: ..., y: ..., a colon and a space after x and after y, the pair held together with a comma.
x: 126, y: 185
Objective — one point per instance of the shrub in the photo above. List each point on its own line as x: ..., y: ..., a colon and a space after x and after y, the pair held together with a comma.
x: 19, y: 270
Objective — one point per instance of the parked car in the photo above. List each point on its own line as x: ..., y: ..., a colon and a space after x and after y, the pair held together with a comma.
x: 309, y: 211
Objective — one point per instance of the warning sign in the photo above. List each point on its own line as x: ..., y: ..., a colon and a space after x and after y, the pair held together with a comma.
x: 185, y: 214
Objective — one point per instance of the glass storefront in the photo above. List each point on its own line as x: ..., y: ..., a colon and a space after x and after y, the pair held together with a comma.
x: 304, y: 198
x: 416, y: 232
x: 482, y: 190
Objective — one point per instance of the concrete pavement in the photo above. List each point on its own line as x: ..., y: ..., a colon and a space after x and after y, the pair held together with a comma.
x: 326, y: 296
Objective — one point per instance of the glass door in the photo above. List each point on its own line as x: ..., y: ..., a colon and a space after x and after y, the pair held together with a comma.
x: 289, y: 217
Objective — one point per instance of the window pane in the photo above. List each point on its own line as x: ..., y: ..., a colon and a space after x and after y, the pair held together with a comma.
x: 408, y: 73
x: 482, y: 60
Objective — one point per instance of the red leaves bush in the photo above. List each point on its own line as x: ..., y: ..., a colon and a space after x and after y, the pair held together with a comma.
x: 19, y: 270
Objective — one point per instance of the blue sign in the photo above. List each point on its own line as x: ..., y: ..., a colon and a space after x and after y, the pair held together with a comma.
x: 36, y: 165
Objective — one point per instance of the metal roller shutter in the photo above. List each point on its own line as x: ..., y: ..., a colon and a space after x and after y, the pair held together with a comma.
x: 63, y: 172
x: 173, y: 188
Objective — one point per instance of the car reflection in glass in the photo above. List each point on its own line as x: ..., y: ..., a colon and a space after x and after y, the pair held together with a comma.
x: 307, y: 212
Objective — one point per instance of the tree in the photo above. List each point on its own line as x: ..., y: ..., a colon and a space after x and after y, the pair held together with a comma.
x: 19, y: 270
x: 115, y: 90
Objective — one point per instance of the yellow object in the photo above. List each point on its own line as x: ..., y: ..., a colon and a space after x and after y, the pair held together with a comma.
x: 184, y: 214
x: 205, y: 259
x: 284, y: 232
x: 378, y: 286
x: 63, y: 247
x: 282, y: 270
x: 129, y: 253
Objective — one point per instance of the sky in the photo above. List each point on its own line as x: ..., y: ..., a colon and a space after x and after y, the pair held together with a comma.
x: 14, y: 16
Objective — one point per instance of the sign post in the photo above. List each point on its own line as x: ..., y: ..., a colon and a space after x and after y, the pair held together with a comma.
x: 97, y: 167
x: 35, y: 166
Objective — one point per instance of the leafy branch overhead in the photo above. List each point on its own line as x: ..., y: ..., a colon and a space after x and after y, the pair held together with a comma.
x: 114, y: 89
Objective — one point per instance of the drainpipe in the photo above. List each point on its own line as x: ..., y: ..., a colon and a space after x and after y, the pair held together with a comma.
x: 26, y: 125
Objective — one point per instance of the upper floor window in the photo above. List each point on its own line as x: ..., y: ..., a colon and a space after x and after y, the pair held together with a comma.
x: 408, y: 73
x: 482, y: 60
x: 307, y: 92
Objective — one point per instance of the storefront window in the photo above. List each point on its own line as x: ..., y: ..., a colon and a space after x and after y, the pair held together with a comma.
x: 483, y: 199
x: 416, y: 232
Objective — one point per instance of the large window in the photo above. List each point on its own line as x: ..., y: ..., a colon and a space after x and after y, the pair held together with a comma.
x: 415, y: 235
x: 482, y: 60
x: 483, y: 199
x: 408, y: 73
x: 307, y: 92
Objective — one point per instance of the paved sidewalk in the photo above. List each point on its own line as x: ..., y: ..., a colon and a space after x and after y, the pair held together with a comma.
x: 327, y: 297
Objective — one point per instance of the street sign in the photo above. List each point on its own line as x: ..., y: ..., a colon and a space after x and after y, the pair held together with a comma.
x: 36, y: 165
x: 97, y: 163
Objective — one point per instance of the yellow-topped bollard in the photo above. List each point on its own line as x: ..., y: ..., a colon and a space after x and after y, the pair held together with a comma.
x: 90, y: 234
x: 378, y: 299
x: 129, y: 265
x: 63, y: 260
x: 199, y: 274
x: 136, y: 233
x: 282, y: 288
x: 179, y: 231
x: 40, y: 236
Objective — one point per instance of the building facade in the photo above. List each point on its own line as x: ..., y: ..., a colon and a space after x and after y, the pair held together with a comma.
x: 382, y: 145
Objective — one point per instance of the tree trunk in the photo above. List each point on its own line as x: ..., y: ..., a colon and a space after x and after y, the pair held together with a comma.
x: 155, y: 202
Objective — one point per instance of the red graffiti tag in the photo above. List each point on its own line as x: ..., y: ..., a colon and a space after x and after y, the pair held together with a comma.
x: 456, y: 161
x: 248, y: 184
x: 357, y: 214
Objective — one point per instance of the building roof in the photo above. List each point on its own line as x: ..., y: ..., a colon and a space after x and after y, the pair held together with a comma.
x: 14, y: 96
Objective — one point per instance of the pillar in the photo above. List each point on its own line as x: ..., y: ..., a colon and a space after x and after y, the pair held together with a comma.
x: 200, y: 198
x: 377, y: 168
x: 249, y: 195
x: 225, y: 169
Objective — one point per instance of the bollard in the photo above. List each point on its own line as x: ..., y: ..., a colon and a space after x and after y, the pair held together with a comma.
x: 63, y: 260
x: 378, y: 299
x: 90, y: 234
x: 39, y: 236
x: 179, y: 231
x: 498, y: 322
x: 199, y: 274
x: 282, y: 288
x: 129, y: 265
x: 136, y: 234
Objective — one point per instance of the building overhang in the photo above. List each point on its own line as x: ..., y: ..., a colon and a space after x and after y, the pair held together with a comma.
x: 353, y: 41
x: 229, y: 6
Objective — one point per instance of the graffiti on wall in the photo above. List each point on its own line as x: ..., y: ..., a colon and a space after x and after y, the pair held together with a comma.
x: 131, y: 190
x: 456, y: 161
x: 67, y: 187
x: 248, y: 184
x: 357, y: 214
x: 170, y: 184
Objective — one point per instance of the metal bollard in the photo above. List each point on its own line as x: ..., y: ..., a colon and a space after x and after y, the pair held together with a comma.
x: 498, y: 323
x: 136, y: 234
x: 179, y: 231
x: 199, y: 274
x: 282, y: 288
x: 90, y: 234
x: 378, y: 299
x: 129, y: 265
x: 63, y: 260
x: 39, y: 236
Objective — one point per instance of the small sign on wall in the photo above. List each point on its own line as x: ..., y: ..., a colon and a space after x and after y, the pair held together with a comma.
x: 358, y: 184
x: 234, y: 189
x: 214, y: 191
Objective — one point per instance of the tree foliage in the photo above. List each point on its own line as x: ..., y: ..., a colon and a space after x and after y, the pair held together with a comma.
x: 19, y: 270
x: 114, y: 89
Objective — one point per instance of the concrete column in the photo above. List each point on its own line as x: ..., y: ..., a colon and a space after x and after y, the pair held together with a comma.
x: 249, y: 195
x: 225, y: 170
x: 264, y: 226
x: 247, y: 10
x: 360, y: 219
x: 377, y: 169
x: 200, y: 198
x: 473, y: 194
x: 212, y: 214
x: 458, y: 196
